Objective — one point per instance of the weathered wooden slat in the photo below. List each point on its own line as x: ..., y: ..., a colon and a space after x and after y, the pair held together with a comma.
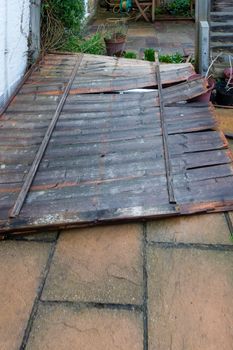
x: 204, y: 173
x: 206, y: 190
x: 97, y: 74
x: 199, y: 160
x: 165, y: 139
x: 36, y: 162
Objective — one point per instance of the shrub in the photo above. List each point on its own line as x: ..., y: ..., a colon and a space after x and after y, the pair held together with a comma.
x: 149, y: 55
x: 175, y: 58
x: 69, y: 12
x: 60, y: 18
x: 130, y: 54
x: 92, y: 45
x: 179, y: 7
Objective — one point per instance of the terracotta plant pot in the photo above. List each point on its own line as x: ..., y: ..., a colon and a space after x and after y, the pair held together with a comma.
x: 205, y: 98
x: 115, y: 47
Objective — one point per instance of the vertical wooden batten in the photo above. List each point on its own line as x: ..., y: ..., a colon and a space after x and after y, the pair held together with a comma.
x: 34, y: 42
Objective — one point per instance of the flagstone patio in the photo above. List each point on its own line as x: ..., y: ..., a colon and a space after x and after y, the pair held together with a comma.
x: 166, y: 37
x: 164, y: 284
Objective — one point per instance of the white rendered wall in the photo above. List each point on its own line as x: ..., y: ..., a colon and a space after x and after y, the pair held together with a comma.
x: 14, y: 32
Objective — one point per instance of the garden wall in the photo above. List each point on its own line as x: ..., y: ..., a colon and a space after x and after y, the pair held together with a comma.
x: 14, y: 32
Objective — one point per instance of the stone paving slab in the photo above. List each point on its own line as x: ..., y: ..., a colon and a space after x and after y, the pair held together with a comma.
x: 136, y: 43
x: 22, y: 265
x: 190, y: 299
x: 141, y: 32
x: 62, y: 327
x: 203, y: 229
x: 101, y: 264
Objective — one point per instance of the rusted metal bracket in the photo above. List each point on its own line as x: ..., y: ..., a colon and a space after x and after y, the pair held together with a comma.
x: 39, y: 155
x: 165, y: 139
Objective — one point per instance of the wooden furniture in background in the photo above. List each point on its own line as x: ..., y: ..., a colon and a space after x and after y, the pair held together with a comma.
x: 145, y: 8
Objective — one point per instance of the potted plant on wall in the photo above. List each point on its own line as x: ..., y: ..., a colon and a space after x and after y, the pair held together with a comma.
x: 115, y: 38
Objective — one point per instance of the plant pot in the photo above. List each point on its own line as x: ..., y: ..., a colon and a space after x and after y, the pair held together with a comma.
x: 224, y: 97
x: 204, y: 98
x: 115, y: 47
x: 227, y: 73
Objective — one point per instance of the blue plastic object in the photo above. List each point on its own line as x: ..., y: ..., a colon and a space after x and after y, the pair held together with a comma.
x: 125, y: 5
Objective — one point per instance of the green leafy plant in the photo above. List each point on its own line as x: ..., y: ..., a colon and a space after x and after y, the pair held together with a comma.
x: 160, y: 10
x: 130, y: 54
x: 114, y: 31
x: 69, y: 12
x: 175, y: 58
x: 149, y: 55
x: 59, y: 19
x: 93, y: 44
x: 179, y: 7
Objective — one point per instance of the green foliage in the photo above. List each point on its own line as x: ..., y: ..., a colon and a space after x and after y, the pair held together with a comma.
x: 59, y: 19
x: 160, y: 10
x: 179, y: 7
x: 114, y: 31
x: 92, y: 45
x: 175, y: 8
x: 130, y: 54
x: 69, y: 12
x: 149, y: 55
x: 175, y: 58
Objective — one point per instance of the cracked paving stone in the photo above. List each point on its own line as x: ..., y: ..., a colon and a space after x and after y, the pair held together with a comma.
x: 67, y: 327
x: 202, y: 229
x: 190, y: 299
x: 22, y: 266
x: 101, y: 264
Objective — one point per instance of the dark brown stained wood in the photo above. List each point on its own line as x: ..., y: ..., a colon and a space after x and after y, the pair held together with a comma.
x: 100, y: 74
x: 164, y: 130
x: 38, y: 157
x: 105, y: 158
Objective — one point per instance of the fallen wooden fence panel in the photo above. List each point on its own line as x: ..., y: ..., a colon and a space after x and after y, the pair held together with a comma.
x: 105, y: 158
